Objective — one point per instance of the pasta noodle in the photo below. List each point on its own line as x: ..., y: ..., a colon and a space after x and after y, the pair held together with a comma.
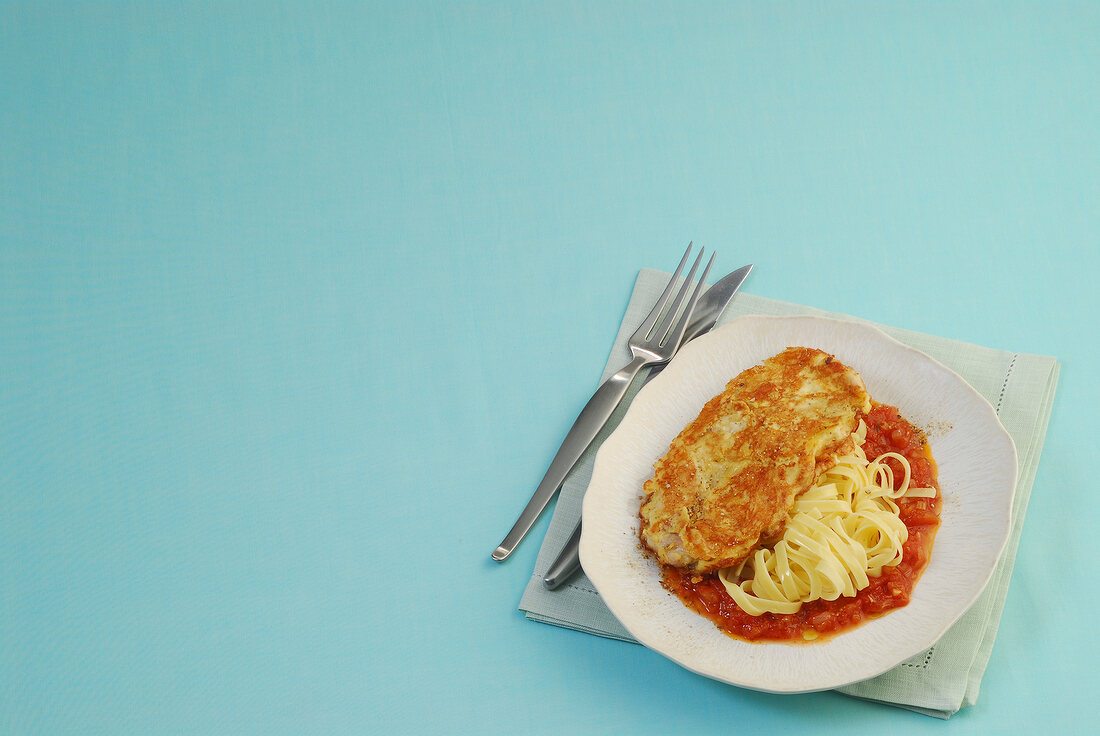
x: 841, y: 532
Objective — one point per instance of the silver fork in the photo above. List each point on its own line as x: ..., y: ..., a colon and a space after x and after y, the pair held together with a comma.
x: 649, y: 345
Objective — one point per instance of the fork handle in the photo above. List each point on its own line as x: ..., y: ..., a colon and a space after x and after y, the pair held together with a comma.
x: 591, y: 420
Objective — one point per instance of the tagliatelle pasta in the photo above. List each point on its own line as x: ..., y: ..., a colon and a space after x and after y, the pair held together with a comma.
x: 841, y: 532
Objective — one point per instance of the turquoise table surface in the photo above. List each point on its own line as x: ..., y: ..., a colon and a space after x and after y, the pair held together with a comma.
x: 297, y: 301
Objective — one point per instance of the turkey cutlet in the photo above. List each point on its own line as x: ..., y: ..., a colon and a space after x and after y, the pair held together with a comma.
x: 730, y: 477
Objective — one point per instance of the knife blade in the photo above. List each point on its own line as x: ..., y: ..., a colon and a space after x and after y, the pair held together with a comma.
x: 711, y: 306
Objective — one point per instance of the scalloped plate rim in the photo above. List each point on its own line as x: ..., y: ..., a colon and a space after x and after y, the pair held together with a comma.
x: 619, y: 591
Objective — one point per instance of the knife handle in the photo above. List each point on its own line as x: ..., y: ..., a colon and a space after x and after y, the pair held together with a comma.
x: 568, y: 562
x: 591, y: 420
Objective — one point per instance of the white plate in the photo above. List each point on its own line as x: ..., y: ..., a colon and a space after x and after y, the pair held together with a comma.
x: 977, y: 473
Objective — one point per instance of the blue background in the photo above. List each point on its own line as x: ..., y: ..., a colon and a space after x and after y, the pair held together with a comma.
x: 297, y: 301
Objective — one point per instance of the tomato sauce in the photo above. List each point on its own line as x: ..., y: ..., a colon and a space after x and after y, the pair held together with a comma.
x: 887, y: 431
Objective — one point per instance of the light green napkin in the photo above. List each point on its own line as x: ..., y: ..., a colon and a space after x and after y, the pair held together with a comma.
x: 939, y: 681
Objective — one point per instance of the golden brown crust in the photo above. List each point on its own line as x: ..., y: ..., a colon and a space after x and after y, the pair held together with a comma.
x: 730, y: 477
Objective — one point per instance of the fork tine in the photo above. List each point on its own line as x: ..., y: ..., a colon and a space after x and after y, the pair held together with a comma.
x: 670, y: 315
x: 677, y: 333
x: 651, y: 320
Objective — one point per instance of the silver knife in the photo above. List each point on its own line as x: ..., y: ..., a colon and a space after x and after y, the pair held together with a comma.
x: 711, y: 306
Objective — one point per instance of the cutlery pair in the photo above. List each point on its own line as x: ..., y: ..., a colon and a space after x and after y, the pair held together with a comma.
x: 652, y: 344
x: 709, y: 309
